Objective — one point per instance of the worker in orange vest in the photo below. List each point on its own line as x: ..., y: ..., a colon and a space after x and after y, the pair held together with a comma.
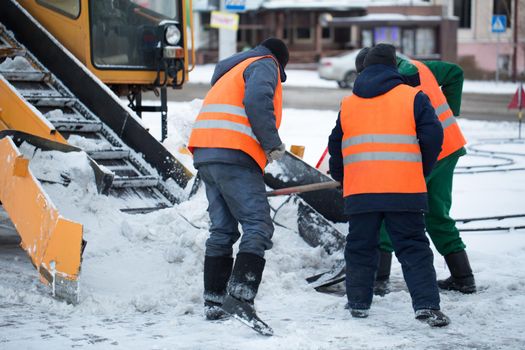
x: 386, y: 139
x: 442, y: 82
x: 233, y: 139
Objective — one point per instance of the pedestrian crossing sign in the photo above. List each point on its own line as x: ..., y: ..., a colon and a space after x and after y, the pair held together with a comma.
x: 235, y: 5
x: 499, y: 23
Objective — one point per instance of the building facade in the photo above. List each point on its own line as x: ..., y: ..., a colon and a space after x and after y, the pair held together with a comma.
x: 480, y: 51
x: 316, y: 28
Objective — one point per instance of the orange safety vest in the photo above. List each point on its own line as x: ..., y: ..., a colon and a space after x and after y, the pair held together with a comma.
x: 381, y: 152
x: 453, y: 138
x: 222, y: 121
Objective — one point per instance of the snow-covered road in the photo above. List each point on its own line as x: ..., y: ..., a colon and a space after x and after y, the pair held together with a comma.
x: 142, y: 274
x: 310, y: 78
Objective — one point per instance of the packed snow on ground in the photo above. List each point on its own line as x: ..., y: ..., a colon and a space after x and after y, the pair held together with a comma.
x: 310, y: 78
x: 141, y: 280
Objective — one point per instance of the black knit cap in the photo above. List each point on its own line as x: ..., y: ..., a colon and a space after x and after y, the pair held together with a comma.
x: 278, y: 49
x: 381, y: 54
x: 360, y: 59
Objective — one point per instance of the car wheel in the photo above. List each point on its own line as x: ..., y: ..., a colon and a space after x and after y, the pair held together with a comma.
x: 349, y: 79
x: 342, y: 84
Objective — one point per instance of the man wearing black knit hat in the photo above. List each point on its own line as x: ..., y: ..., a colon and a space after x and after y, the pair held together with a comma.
x: 386, y: 139
x: 360, y: 59
x: 234, y: 137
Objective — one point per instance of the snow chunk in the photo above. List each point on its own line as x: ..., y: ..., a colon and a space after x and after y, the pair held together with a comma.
x: 16, y: 64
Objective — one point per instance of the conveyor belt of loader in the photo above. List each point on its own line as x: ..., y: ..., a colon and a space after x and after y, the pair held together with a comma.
x: 57, y: 99
x: 135, y: 182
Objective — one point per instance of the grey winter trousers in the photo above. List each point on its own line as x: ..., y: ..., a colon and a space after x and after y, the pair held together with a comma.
x: 236, y: 194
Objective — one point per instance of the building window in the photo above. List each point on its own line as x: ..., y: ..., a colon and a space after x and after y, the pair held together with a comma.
x: 388, y: 35
x: 327, y: 33
x: 504, y: 63
x: 463, y: 10
x: 303, y: 34
x: 285, y: 34
x: 70, y: 8
x: 503, y: 7
x: 425, y: 42
x: 367, y: 38
x: 409, y: 36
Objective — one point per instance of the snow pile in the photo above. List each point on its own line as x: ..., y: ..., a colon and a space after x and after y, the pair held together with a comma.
x: 71, y: 168
x: 489, y: 87
x: 180, y: 122
x: 54, y: 114
x: 89, y: 144
x: 17, y: 63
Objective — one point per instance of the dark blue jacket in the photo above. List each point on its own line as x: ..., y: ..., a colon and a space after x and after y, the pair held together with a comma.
x: 374, y: 81
x: 260, y: 79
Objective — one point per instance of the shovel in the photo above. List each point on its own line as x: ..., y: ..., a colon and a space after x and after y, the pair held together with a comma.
x: 304, y: 188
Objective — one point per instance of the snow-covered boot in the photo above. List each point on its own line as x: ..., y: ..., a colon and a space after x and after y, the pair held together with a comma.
x: 242, y: 289
x: 217, y: 271
x: 382, y: 281
x: 359, y: 313
x: 461, y: 279
x: 434, y: 318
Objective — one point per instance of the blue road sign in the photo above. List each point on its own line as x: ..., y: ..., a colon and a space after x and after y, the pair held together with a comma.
x: 499, y: 23
x: 235, y: 5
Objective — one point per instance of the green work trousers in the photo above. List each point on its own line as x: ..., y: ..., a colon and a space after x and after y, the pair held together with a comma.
x: 440, y: 226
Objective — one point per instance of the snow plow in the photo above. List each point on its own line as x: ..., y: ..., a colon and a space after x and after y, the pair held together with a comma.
x: 54, y: 243
x: 50, y: 102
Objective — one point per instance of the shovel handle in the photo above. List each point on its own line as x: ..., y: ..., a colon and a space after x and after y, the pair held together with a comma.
x: 304, y: 188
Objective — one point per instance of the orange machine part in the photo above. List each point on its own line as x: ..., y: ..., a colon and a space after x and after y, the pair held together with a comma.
x: 52, y: 242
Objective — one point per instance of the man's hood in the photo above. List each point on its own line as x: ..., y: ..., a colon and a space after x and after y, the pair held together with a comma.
x: 226, y: 64
x: 376, y: 80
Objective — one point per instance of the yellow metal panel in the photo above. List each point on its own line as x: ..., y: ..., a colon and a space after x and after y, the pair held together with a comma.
x: 51, y: 241
x: 21, y: 167
x: 124, y: 76
x: 2, y: 124
x: 72, y: 33
x: 64, y: 249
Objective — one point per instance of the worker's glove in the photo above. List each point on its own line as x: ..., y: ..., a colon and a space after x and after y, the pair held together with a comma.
x: 276, y: 153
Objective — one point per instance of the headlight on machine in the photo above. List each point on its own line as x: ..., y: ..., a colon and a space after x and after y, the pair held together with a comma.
x: 172, y: 34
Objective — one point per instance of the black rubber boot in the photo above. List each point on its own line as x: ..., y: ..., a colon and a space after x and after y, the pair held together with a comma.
x: 461, y: 279
x: 382, y: 281
x: 242, y: 289
x: 434, y: 318
x: 217, y: 271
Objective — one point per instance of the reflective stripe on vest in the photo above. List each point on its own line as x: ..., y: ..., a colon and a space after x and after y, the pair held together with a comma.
x: 224, y: 108
x: 226, y: 125
x: 402, y: 156
x: 378, y: 139
x: 380, y: 148
x: 222, y: 121
x: 453, y: 138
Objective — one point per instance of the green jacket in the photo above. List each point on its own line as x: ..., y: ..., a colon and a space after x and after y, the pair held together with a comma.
x: 448, y: 75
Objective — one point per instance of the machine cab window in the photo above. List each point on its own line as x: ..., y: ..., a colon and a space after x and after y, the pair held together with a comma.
x: 130, y: 34
x: 70, y: 8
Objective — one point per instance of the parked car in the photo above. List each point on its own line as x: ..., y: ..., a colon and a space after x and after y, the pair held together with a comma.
x: 340, y: 68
